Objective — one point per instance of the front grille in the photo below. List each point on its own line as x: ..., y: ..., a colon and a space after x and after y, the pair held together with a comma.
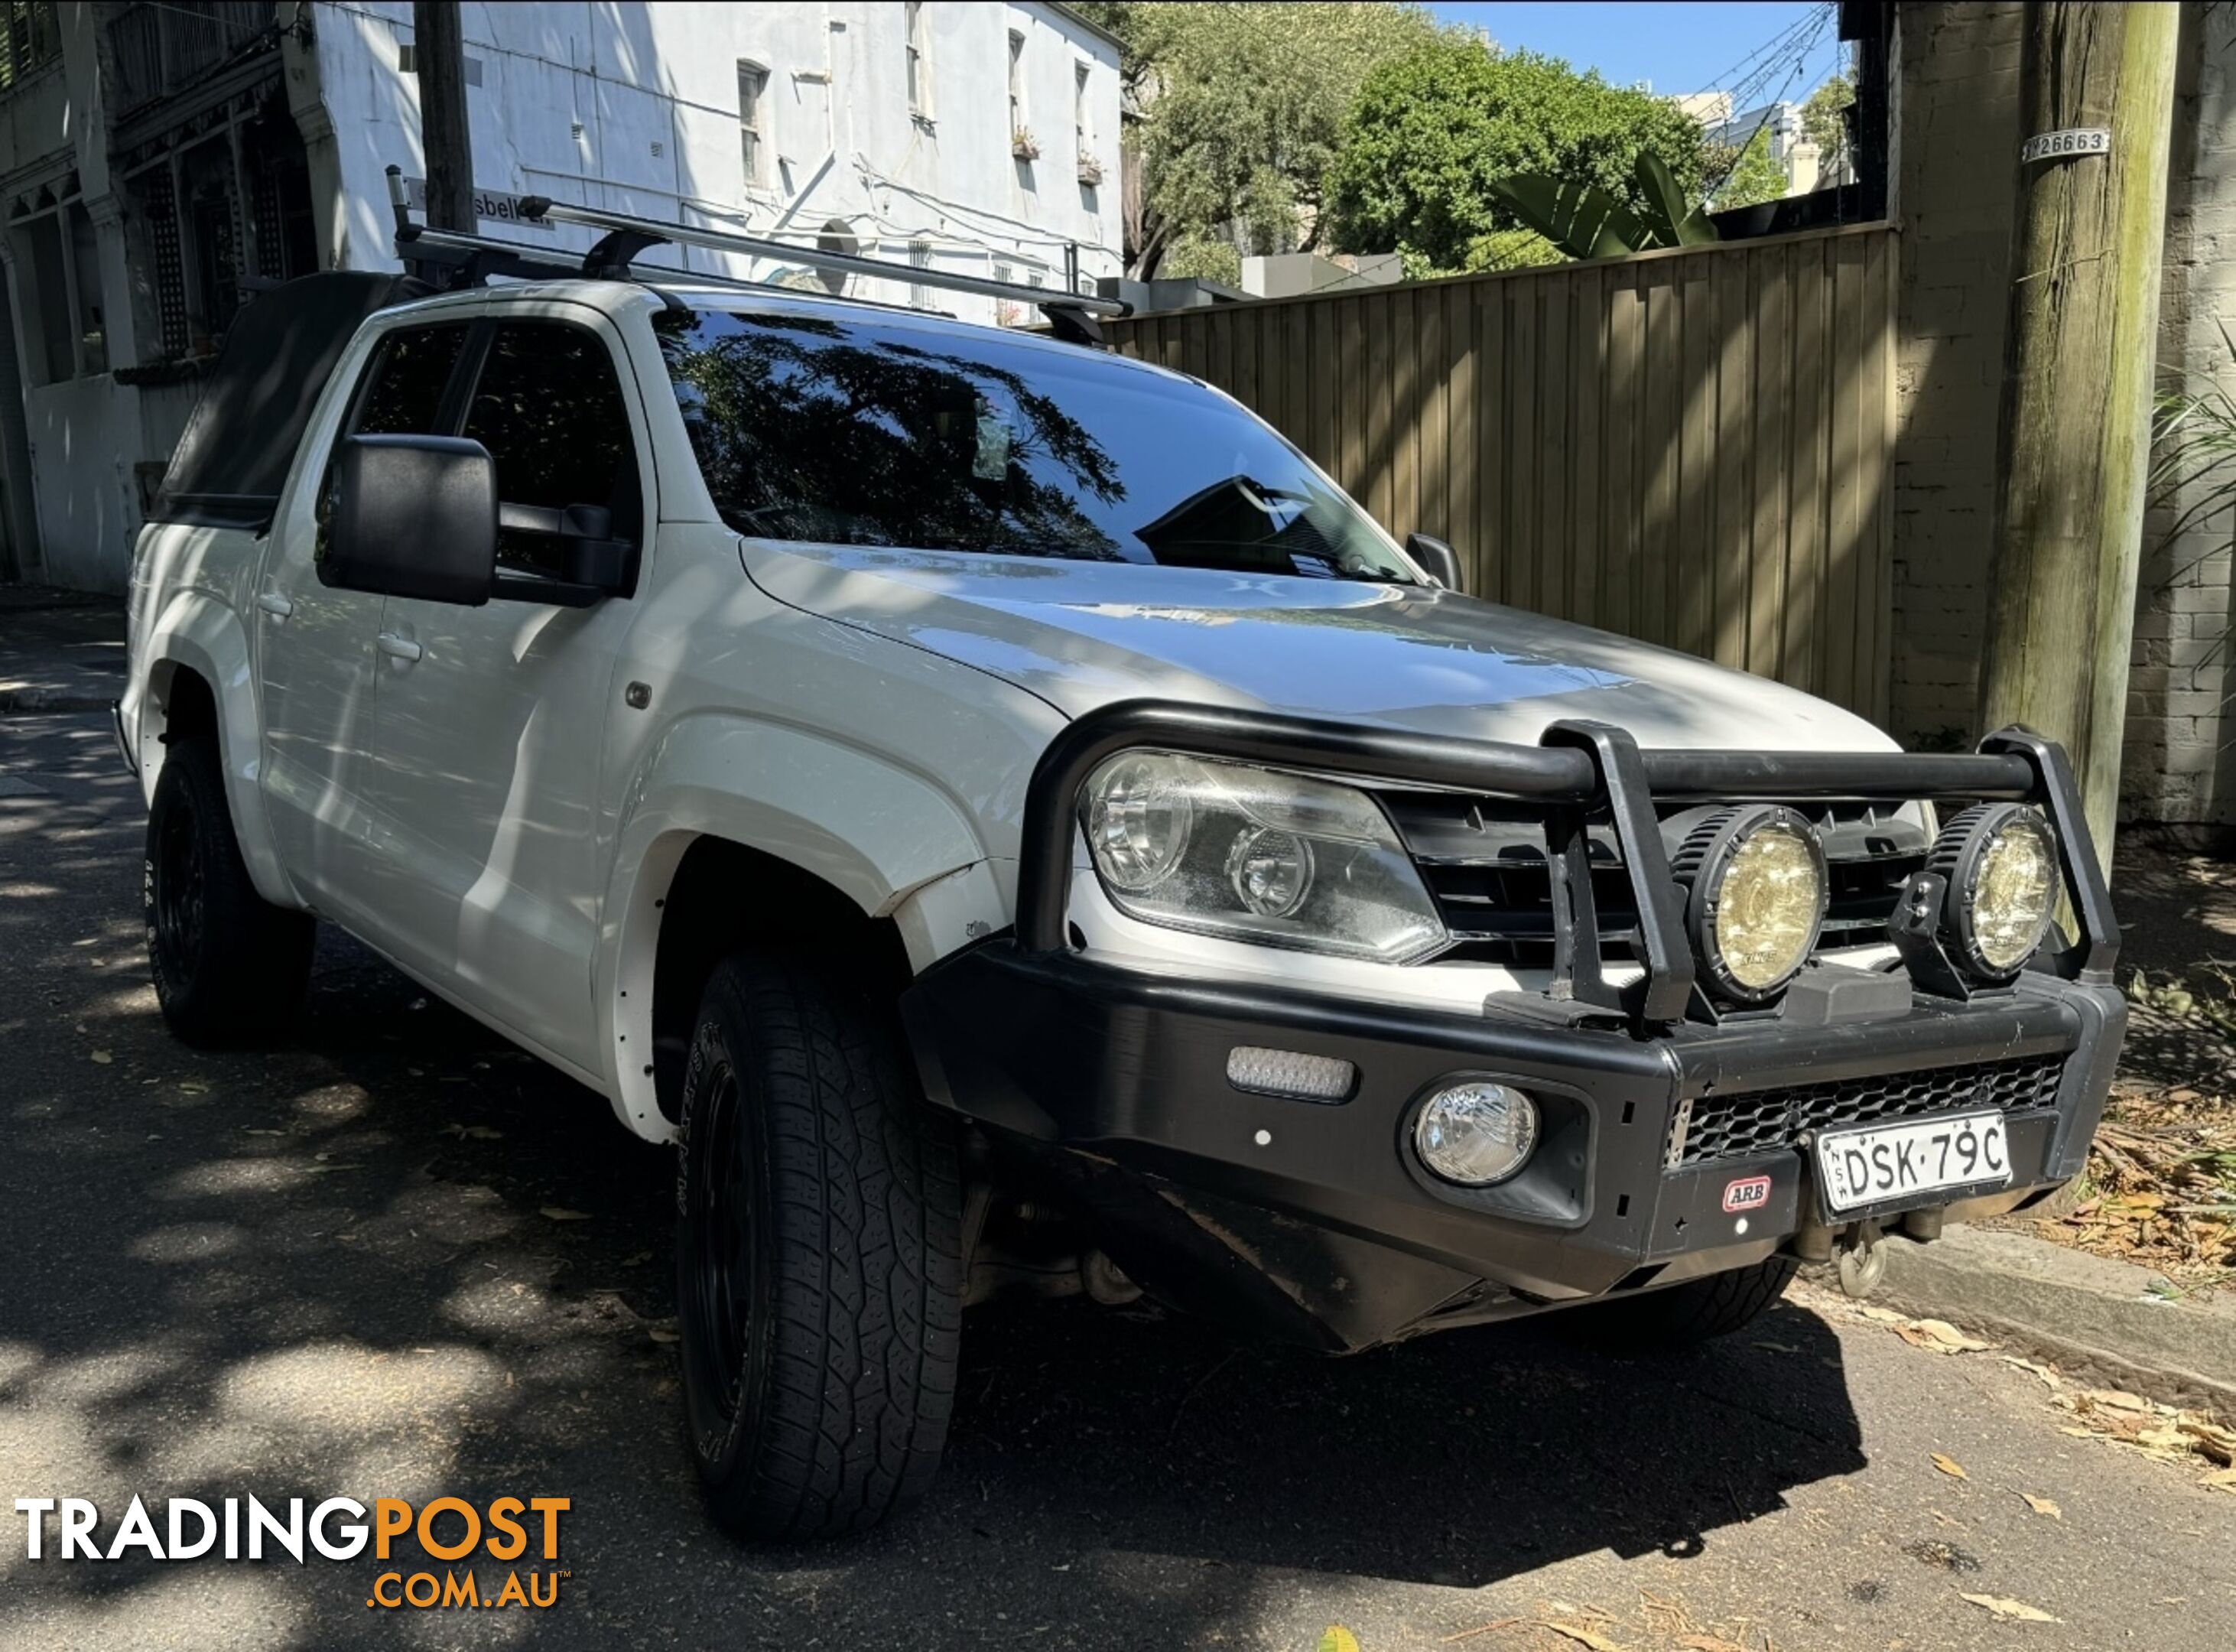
x: 1485, y: 867
x: 1732, y: 1127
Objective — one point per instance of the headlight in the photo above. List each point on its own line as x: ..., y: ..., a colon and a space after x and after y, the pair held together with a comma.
x: 1253, y: 854
x: 2000, y: 862
x: 1756, y: 900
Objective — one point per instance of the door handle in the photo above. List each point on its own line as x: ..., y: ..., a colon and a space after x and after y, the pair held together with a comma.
x: 399, y: 647
x: 274, y: 605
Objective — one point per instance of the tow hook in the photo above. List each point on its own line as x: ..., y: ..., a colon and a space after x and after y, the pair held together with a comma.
x: 1861, y: 1253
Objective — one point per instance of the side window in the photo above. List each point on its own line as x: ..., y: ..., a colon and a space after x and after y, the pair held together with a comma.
x: 401, y: 394
x: 403, y: 388
x: 549, y: 408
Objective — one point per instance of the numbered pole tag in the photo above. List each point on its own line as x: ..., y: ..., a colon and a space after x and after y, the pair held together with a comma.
x: 2059, y: 145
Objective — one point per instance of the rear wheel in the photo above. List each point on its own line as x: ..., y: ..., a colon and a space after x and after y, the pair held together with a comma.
x: 228, y: 963
x: 1686, y: 1313
x: 818, y: 1269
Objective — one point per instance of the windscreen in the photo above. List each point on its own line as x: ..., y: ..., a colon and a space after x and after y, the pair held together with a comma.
x: 876, y: 433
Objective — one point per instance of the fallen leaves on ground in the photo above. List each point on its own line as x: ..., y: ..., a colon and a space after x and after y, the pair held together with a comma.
x: 2007, y: 1610
x: 2163, y: 1166
x: 1938, y: 1336
x: 474, y: 1132
x: 1335, y: 1638
x: 560, y: 1212
x: 1581, y: 1634
x: 2165, y: 1432
x: 2042, y: 1505
x: 1950, y: 1466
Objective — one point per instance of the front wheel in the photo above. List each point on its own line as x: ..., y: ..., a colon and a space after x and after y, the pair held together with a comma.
x: 818, y: 1264
x: 228, y: 963
x: 1684, y: 1314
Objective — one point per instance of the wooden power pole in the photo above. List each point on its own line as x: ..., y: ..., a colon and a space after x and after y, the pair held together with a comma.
x: 2074, y: 441
x: 439, y: 52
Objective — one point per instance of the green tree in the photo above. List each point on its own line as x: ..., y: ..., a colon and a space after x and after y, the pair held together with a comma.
x: 1433, y: 131
x: 1750, y: 177
x: 1824, y: 125
x: 1234, y: 111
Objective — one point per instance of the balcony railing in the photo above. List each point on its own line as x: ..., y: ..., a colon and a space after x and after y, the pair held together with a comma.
x: 158, y: 49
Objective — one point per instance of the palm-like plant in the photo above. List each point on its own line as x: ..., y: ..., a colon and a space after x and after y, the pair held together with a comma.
x: 1585, y: 221
x: 2193, y: 451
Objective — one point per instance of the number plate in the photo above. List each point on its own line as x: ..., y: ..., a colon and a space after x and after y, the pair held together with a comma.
x: 1878, y: 1164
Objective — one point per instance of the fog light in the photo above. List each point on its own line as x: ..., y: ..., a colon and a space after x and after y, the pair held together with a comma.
x: 1477, y: 1133
x: 1291, y: 1073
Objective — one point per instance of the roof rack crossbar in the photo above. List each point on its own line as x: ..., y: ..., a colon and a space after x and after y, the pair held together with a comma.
x: 558, y: 212
x: 484, y: 255
x: 1072, y: 315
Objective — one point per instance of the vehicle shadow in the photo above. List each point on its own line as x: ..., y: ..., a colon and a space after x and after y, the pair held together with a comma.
x: 1459, y: 1460
x: 392, y: 1256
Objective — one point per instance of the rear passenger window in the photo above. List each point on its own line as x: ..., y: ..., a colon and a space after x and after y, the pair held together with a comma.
x: 549, y: 408
x: 404, y: 387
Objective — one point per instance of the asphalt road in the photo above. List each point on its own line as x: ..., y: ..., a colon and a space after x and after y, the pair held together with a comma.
x: 329, y: 1268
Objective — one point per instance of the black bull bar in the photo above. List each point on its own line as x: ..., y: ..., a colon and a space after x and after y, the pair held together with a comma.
x: 1580, y: 772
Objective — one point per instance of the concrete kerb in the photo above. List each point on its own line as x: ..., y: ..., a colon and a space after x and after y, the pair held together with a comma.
x: 2097, y: 1320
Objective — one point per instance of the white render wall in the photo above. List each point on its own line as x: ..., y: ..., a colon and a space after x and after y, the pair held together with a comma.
x: 634, y: 107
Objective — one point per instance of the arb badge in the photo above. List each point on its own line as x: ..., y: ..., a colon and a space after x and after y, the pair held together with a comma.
x: 1748, y: 1193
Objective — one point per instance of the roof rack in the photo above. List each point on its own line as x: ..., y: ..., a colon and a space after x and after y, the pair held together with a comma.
x: 472, y: 259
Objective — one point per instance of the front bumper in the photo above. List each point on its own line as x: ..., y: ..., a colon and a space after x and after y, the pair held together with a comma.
x: 1316, y: 1221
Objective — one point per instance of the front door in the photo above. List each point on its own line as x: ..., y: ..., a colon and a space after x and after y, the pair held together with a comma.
x: 491, y: 719
x: 316, y: 649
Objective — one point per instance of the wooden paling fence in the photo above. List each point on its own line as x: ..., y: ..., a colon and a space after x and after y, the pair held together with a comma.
x: 1694, y: 446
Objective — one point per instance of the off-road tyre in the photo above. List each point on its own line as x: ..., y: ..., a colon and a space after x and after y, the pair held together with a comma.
x: 1688, y: 1313
x: 228, y: 965
x: 819, y: 1256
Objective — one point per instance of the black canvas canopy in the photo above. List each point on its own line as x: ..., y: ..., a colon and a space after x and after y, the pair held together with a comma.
x: 232, y: 459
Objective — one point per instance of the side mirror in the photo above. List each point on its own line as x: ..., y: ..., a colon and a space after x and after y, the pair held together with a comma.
x: 1440, y: 562
x: 413, y: 516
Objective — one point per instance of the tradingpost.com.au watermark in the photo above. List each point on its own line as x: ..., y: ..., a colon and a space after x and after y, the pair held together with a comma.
x: 449, y: 1529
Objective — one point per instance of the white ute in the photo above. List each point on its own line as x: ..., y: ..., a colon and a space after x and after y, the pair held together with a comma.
x: 1008, y: 818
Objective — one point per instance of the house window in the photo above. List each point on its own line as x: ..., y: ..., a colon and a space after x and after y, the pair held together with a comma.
x: 919, y: 256
x: 209, y: 223
x: 1083, y: 136
x: 85, y: 268
x: 1017, y: 122
x: 752, y: 82
x: 920, y: 61
x: 44, y: 298
x: 29, y: 39
x: 58, y: 282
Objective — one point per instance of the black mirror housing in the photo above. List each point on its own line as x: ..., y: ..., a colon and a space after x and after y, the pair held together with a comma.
x: 1439, y: 559
x: 413, y: 516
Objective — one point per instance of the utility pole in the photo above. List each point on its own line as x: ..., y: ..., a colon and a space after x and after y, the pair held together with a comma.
x: 2073, y: 438
x: 439, y: 52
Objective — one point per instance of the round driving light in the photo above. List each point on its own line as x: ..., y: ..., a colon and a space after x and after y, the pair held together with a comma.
x: 1756, y: 898
x: 2000, y: 862
x: 1138, y: 818
x: 1475, y: 1133
x: 1271, y: 871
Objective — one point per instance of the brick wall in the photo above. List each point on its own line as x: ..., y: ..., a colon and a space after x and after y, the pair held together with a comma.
x: 1956, y: 139
x: 2177, y: 765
